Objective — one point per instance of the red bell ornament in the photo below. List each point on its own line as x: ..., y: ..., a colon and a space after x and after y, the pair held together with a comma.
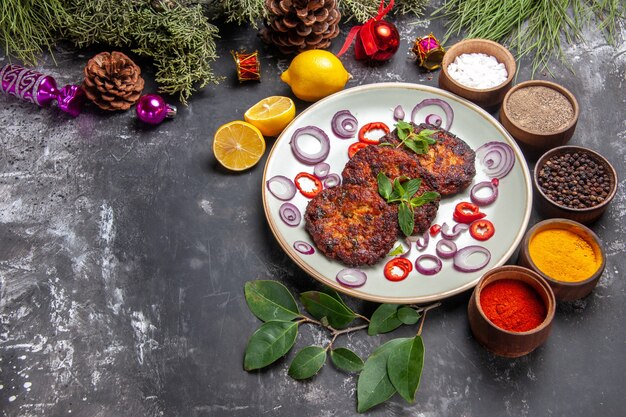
x: 376, y: 39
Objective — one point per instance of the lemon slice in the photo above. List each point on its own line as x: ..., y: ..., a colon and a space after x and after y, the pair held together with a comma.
x: 238, y: 145
x: 271, y: 115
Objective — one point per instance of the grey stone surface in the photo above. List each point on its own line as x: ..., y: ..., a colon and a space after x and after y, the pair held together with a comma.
x: 124, y: 250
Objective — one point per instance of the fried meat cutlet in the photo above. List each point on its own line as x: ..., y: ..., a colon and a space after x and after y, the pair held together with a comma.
x: 449, y: 162
x: 363, y: 169
x: 352, y: 224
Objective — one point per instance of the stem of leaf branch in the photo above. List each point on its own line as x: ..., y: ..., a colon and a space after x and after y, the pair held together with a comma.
x: 424, y: 310
x: 334, y: 332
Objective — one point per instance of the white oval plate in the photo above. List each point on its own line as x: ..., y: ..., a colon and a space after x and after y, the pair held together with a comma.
x: 375, y: 103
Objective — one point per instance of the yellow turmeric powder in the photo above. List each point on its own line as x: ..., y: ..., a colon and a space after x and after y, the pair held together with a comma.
x: 563, y: 255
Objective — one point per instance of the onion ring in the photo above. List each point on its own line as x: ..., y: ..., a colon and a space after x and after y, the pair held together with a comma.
x: 303, y: 247
x: 290, y: 214
x: 422, y: 242
x: 434, y: 119
x: 352, y: 278
x: 332, y: 180
x: 497, y: 158
x: 428, y: 270
x: 445, y: 249
x: 321, y: 170
x: 435, y: 102
x: 483, y: 201
x: 462, y: 255
x: 344, y: 124
x: 281, y: 187
x: 303, y: 156
x: 455, y: 232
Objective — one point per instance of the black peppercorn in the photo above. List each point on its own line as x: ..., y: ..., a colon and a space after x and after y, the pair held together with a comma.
x: 574, y: 180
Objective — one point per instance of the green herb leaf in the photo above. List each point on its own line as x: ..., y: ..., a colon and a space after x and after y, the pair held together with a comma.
x: 398, y: 250
x: 406, y: 219
x: 403, y: 129
x: 407, y: 315
x: 417, y: 142
x: 321, y: 305
x: 404, y: 367
x: 270, y: 300
x: 427, y: 136
x: 426, y: 197
x: 398, y: 187
x: 269, y: 343
x: 417, y: 147
x: 384, y: 186
x: 346, y: 360
x: 374, y: 386
x: 384, y: 319
x: 307, y: 362
x: 412, y: 186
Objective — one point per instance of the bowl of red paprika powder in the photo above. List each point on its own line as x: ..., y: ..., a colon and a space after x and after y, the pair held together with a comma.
x: 511, y: 311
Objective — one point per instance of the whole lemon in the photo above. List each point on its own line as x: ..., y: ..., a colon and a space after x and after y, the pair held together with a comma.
x: 315, y: 74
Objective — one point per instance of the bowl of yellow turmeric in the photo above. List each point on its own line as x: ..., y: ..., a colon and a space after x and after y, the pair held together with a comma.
x: 567, y: 254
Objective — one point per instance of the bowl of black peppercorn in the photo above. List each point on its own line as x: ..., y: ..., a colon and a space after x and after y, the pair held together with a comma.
x: 575, y: 183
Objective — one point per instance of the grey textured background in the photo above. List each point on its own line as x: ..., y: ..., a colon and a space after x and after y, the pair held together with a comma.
x: 124, y: 250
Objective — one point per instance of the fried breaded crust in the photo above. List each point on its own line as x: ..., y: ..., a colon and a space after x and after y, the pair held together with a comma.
x: 450, y: 163
x: 363, y: 169
x: 352, y: 224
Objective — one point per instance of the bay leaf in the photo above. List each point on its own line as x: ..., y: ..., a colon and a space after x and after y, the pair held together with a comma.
x: 270, y: 300
x: 270, y: 342
x: 408, y: 315
x: 320, y: 305
x: 404, y: 367
x: 307, y: 362
x: 346, y: 360
x: 374, y: 386
x: 384, y: 319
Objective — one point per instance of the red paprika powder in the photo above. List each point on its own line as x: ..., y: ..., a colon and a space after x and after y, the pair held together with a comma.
x: 512, y: 305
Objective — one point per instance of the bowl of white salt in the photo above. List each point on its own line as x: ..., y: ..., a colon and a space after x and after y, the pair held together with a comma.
x: 478, y: 70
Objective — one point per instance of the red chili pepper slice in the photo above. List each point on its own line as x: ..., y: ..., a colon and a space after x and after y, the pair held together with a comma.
x: 398, y: 269
x: 355, y: 147
x: 482, y: 229
x: 308, y: 185
x: 465, y: 212
x: 434, y: 229
x: 368, y: 128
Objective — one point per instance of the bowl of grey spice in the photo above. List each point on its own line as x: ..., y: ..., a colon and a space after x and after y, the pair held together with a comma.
x: 539, y: 114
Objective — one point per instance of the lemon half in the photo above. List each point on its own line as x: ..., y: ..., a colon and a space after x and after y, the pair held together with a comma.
x: 271, y: 115
x: 238, y: 145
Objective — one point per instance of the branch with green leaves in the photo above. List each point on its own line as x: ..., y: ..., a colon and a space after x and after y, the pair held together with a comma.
x: 394, y: 367
x: 533, y: 28
x: 404, y: 193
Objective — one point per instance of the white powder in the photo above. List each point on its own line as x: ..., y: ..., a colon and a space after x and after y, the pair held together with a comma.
x: 479, y: 71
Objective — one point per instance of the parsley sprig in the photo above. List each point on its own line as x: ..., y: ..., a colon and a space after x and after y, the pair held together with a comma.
x: 417, y: 142
x: 402, y: 190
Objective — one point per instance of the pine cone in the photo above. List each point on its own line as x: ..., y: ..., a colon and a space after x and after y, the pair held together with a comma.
x: 112, y: 81
x: 297, y: 25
